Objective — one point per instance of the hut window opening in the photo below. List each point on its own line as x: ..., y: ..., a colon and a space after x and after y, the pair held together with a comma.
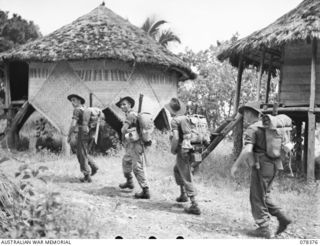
x: 19, y: 79
x: 38, y: 73
x: 101, y: 75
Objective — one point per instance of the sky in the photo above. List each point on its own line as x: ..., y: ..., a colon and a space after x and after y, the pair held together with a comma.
x: 198, y: 23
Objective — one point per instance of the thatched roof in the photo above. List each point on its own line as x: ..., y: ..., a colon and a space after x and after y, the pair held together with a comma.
x: 100, y: 34
x: 301, y: 23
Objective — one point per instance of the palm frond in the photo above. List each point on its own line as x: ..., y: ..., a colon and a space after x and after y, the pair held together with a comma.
x: 154, y: 29
x: 146, y: 25
x: 168, y: 36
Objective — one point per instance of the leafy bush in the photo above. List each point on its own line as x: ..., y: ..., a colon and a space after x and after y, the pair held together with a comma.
x: 48, y: 137
x: 29, y: 215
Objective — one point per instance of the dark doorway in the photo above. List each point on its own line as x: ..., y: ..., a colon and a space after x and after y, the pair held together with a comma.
x: 19, y: 78
x: 113, y: 120
x: 161, y: 121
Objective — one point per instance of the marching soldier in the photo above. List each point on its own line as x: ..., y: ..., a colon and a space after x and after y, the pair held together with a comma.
x: 182, y: 169
x: 133, y: 160
x: 263, y: 172
x: 87, y: 165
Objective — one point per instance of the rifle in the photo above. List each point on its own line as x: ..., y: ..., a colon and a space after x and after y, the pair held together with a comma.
x: 138, y: 127
x: 96, y: 134
x: 140, y: 103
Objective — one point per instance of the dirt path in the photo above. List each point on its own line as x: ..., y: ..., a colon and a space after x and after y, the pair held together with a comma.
x: 113, y: 212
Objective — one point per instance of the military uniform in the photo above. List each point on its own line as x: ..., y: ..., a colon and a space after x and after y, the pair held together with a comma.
x: 133, y: 160
x: 262, y: 206
x: 182, y: 169
x: 84, y: 141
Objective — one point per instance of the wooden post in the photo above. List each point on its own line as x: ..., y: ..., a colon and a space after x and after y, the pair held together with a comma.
x: 280, y: 77
x: 298, y: 145
x: 238, y: 130
x: 7, y: 85
x: 305, y: 147
x: 269, y: 80
x: 311, y: 115
x: 260, y: 74
x: 238, y: 86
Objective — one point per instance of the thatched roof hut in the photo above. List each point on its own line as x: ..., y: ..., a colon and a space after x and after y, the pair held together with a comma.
x: 102, y: 57
x: 301, y: 23
x: 100, y: 34
x: 290, y: 46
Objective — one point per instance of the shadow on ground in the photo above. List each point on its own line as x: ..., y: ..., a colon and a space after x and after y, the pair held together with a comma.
x: 127, y: 198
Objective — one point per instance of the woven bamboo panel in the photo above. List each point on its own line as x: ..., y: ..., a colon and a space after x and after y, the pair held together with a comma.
x: 150, y: 100
x: 164, y: 89
x: 52, y: 100
x: 38, y: 73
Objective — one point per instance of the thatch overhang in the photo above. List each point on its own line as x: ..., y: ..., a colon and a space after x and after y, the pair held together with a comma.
x: 300, y: 24
x: 100, y: 34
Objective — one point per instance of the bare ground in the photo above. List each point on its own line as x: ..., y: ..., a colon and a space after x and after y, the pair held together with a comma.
x: 111, y: 212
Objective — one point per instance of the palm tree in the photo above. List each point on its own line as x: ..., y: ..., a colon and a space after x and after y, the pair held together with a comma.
x: 152, y: 27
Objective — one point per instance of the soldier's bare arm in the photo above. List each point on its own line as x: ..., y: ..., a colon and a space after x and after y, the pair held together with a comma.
x: 246, y: 156
x: 174, y: 141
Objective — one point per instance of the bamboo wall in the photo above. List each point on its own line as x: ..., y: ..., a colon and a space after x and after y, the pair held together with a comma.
x: 38, y: 73
x: 50, y: 83
x: 295, y: 86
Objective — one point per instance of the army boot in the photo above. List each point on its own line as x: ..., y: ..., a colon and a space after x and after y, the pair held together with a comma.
x: 94, y: 170
x: 283, y: 223
x: 86, y: 179
x: 262, y: 232
x: 183, y: 197
x: 128, y: 184
x: 194, y: 208
x: 144, y: 194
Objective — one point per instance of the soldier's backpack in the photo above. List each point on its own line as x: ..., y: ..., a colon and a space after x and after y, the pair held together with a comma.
x: 146, y: 127
x: 278, y: 134
x: 142, y: 130
x: 91, y: 116
x: 200, y: 133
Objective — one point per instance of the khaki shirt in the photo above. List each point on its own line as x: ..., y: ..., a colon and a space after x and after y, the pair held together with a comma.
x: 182, y: 124
x: 255, y: 135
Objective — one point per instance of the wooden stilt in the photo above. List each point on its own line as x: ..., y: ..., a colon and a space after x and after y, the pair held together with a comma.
x: 7, y: 85
x: 311, y: 147
x: 311, y: 115
x: 238, y: 87
x: 268, y: 81
x: 260, y: 74
x: 238, y: 130
x: 299, y: 145
x: 305, y: 148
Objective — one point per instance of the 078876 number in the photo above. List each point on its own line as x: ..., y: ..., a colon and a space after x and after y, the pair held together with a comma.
x: 309, y: 242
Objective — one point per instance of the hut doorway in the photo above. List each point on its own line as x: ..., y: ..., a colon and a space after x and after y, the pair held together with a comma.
x: 113, y: 120
x: 161, y: 122
x: 19, y: 80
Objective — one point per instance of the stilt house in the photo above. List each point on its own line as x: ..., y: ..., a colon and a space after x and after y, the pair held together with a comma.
x: 100, y: 56
x: 291, y: 46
